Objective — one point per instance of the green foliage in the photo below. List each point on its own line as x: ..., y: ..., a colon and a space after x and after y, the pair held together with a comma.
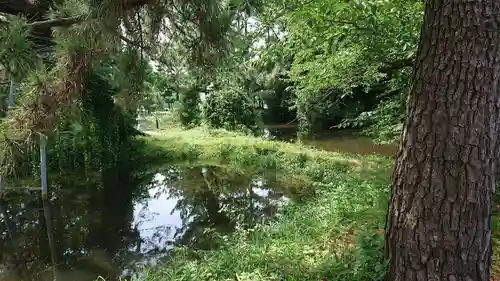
x: 190, y: 107
x: 345, y: 58
x: 384, y: 123
x: 92, y: 135
x: 4, y: 96
x: 293, y: 163
x: 232, y: 109
x: 130, y: 73
x: 333, y: 63
x: 236, y: 79
x: 160, y: 91
x: 17, y: 53
x: 121, y: 37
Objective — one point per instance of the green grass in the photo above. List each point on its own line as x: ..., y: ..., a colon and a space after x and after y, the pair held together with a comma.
x: 296, y: 163
x: 335, y: 234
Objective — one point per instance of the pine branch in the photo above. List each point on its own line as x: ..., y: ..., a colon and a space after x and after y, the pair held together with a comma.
x: 16, y: 7
x: 140, y: 45
x: 52, y: 22
x: 58, y: 22
x: 393, y: 67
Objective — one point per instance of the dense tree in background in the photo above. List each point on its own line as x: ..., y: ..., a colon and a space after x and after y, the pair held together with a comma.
x: 220, y: 107
x: 349, y: 62
x: 438, y: 225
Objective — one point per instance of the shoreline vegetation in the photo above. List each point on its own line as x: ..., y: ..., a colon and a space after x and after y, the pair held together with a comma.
x: 335, y: 234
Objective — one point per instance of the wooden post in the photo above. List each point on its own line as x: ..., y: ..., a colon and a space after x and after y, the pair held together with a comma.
x: 43, y: 164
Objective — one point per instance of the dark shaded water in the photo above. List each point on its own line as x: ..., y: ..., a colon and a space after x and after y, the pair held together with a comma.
x: 126, y: 221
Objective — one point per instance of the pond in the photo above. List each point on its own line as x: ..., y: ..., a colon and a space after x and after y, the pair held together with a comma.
x: 129, y: 219
x: 335, y: 140
x: 114, y: 227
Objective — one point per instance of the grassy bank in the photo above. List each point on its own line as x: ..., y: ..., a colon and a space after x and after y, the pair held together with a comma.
x: 336, y: 234
x: 254, y: 154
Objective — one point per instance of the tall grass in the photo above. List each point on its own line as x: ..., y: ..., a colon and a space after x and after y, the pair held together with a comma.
x: 335, y: 234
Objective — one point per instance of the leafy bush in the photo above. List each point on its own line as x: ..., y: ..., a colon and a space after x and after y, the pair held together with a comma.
x: 189, y: 107
x: 232, y: 109
x: 92, y: 135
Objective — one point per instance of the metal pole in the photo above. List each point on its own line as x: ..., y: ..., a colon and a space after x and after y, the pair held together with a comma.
x: 43, y: 164
x: 50, y: 236
x: 12, y: 93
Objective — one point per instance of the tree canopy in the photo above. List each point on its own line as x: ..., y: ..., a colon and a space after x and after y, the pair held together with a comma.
x: 52, y: 52
x: 325, y: 63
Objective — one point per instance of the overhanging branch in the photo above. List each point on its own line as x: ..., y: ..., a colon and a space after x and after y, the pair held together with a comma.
x: 57, y: 22
x: 18, y: 7
x: 397, y: 65
x: 393, y: 67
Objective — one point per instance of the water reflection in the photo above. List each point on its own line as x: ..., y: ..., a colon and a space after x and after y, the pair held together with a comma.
x: 334, y: 140
x: 212, y: 199
x: 127, y: 220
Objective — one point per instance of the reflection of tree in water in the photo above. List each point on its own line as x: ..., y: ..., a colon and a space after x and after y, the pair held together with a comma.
x: 90, y: 226
x: 215, y: 199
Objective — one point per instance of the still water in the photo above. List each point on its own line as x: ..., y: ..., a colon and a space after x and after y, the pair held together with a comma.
x: 335, y: 140
x: 126, y: 221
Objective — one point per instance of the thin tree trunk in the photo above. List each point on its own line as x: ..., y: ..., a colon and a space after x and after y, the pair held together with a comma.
x: 438, y: 225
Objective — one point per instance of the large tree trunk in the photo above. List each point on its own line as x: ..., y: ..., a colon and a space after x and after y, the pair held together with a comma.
x: 438, y: 225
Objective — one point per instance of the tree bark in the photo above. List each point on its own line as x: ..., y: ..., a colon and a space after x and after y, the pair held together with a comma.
x: 438, y: 224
